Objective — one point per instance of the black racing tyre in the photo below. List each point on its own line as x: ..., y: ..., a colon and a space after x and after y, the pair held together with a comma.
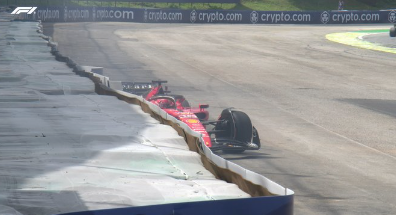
x: 239, y: 128
x: 392, y: 32
x: 243, y: 126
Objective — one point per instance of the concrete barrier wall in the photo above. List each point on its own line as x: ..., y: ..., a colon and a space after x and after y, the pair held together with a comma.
x: 250, y: 182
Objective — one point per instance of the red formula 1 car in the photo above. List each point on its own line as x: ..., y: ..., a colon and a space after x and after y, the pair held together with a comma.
x: 231, y: 132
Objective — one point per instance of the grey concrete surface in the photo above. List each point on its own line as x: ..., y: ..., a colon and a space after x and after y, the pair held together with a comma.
x: 325, y: 112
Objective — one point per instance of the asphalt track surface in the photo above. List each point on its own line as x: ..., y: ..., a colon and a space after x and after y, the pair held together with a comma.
x: 325, y: 111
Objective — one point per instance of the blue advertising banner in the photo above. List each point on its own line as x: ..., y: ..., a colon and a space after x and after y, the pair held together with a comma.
x: 270, y: 205
x: 117, y: 14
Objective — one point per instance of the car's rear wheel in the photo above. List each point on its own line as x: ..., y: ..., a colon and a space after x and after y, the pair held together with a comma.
x: 392, y: 32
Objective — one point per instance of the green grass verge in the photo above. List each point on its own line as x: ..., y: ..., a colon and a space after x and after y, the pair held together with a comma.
x: 264, y: 5
x: 373, y: 31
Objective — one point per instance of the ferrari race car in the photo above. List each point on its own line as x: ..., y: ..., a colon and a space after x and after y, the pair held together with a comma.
x: 232, y: 132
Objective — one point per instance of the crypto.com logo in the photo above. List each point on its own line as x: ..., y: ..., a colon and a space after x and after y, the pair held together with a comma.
x: 193, y: 16
x: 145, y: 16
x: 254, y: 17
x: 325, y: 17
x: 28, y: 10
x: 392, y: 16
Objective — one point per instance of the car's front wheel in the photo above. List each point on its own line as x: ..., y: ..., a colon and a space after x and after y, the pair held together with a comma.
x: 237, y: 127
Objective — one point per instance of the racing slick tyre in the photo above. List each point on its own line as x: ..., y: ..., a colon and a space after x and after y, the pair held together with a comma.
x: 239, y: 127
x: 392, y: 32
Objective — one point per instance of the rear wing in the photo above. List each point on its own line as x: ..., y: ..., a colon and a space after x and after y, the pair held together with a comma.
x: 137, y: 88
x: 141, y: 88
